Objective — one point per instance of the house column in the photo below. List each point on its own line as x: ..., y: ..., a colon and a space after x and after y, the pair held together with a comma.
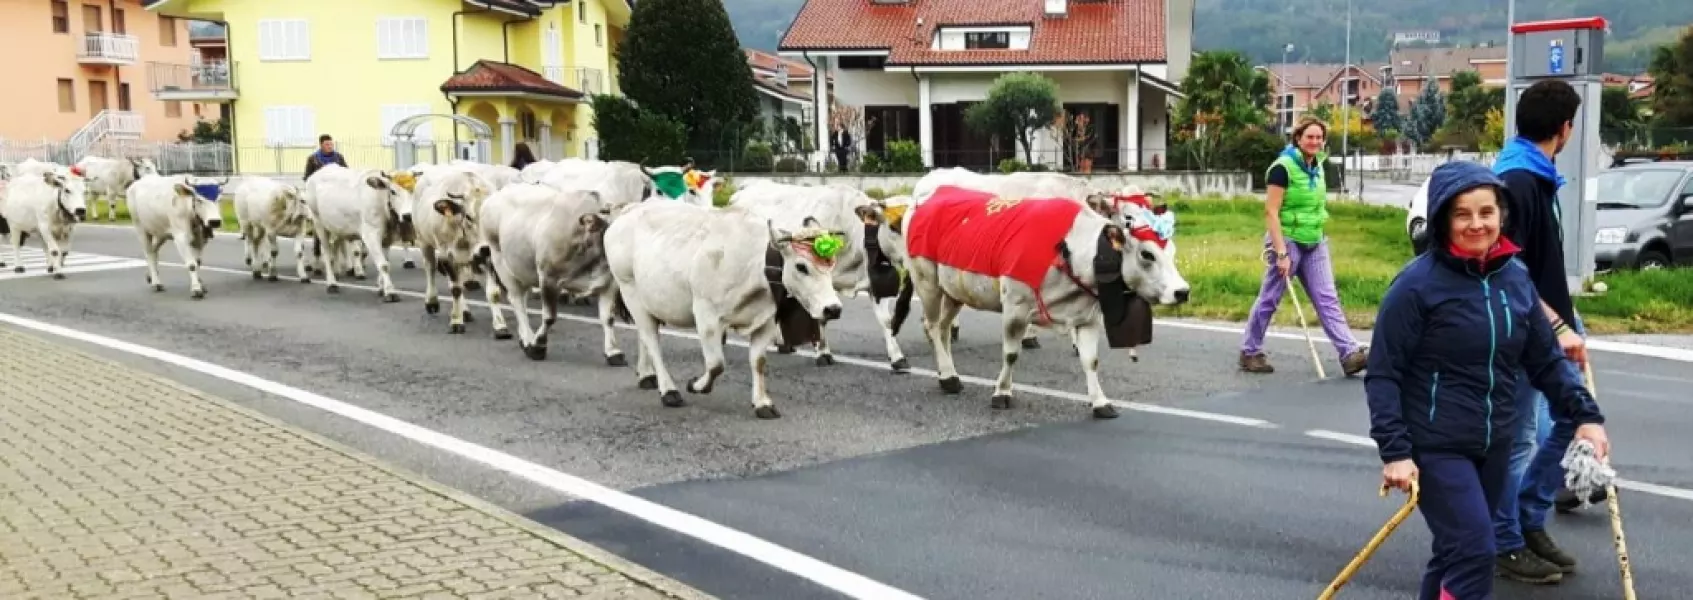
x: 925, y: 121
x: 508, y: 138
x: 546, y: 135
x: 820, y: 108
x: 1130, y: 160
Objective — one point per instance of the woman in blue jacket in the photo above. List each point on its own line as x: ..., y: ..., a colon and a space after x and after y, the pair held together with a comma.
x: 1440, y: 390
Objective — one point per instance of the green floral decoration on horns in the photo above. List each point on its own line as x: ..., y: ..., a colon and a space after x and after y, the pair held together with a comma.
x: 826, y: 246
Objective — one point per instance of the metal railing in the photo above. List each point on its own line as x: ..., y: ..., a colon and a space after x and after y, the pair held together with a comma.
x: 590, y: 80
x: 111, y: 47
x: 170, y: 158
x: 555, y: 74
x: 209, y: 76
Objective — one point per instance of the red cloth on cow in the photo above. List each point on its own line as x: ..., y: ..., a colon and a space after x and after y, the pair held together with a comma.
x: 977, y: 232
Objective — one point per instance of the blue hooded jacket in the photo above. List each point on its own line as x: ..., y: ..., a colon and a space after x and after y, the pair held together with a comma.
x: 1436, y: 383
x: 1535, y: 224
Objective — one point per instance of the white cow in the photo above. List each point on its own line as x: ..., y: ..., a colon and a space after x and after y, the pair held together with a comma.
x: 267, y: 208
x: 1069, y: 294
x: 534, y: 172
x: 108, y: 178
x: 364, y: 206
x: 30, y: 166
x: 48, y: 204
x: 6, y: 170
x: 618, y: 183
x: 169, y: 209
x: 552, y: 240
x: 835, y: 207
x: 444, y: 216
x: 499, y: 176
x: 716, y: 270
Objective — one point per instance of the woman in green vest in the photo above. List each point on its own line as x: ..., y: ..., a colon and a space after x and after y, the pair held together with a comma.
x: 1295, y: 210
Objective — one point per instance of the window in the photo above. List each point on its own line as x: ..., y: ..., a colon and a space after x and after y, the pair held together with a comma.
x: 599, y: 36
x: 294, y: 126
x: 582, y: 12
x: 284, y: 39
x: 861, y: 62
x: 402, y: 38
x: 173, y: 110
x: 392, y: 114
x: 61, y: 17
x: 167, y: 31
x: 91, y: 21
x: 123, y: 96
x: 118, y: 24
x: 67, y: 96
x: 987, y: 40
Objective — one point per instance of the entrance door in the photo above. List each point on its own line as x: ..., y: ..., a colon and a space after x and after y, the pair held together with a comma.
x: 123, y: 97
x: 96, y: 97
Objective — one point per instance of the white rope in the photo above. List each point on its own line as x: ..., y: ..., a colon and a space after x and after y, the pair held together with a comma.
x: 1584, y: 473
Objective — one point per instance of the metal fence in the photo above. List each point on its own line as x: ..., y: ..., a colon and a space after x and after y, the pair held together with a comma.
x: 1647, y: 138
x: 170, y: 157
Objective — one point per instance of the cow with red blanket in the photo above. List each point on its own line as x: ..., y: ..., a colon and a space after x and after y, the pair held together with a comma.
x: 1040, y: 261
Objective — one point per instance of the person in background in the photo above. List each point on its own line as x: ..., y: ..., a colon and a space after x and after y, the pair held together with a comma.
x: 1295, y: 210
x: 1442, y: 395
x: 1545, y: 121
x: 841, y: 141
x: 521, y: 156
x: 325, y: 155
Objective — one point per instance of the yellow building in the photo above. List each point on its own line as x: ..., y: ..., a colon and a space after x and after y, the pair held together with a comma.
x: 354, y: 68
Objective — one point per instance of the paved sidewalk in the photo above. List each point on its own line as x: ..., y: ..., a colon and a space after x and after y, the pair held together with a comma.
x: 115, y: 483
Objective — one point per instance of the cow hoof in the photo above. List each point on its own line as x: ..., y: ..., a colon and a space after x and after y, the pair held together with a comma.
x: 390, y: 297
x: 473, y: 285
x: 695, y: 387
x: 1132, y: 358
x: 902, y: 365
x: 257, y: 276
x: 361, y: 278
x: 273, y: 278
x: 780, y: 349
x: 409, y: 264
x: 952, y: 385
x: 18, y: 269
x: 1030, y: 343
x: 197, y: 294
x: 616, y: 360
x: 58, y: 275
x: 334, y: 288
x: 673, y: 399
x: 502, y: 334
x: 432, y: 306
x: 306, y: 279
x: 455, y: 328
x: 468, y: 318
x: 535, y: 352
x: 1108, y: 411
x: 249, y: 261
x: 1001, y: 402
x: 649, y: 382
x: 766, y: 412
x: 824, y: 360
x: 158, y: 287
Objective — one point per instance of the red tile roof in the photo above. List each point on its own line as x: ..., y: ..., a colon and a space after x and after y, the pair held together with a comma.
x: 765, y: 61
x: 492, y: 76
x: 1093, y: 31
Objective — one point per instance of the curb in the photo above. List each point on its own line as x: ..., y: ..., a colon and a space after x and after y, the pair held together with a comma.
x: 637, y: 573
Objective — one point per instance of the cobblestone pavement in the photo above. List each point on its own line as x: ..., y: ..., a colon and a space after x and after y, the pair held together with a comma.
x: 115, y: 483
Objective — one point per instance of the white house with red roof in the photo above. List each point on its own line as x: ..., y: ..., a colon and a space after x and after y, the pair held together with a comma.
x: 784, y: 90
x: 914, y: 66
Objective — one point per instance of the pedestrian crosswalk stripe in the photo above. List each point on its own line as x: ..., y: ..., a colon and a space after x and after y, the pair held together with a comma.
x: 34, y: 261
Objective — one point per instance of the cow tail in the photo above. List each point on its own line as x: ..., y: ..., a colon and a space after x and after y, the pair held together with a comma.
x: 621, y: 310
x: 902, y: 303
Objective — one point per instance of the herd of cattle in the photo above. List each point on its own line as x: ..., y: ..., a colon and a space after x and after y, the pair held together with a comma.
x: 773, y: 265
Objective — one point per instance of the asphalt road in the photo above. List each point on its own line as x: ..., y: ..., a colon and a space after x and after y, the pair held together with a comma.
x: 1213, y: 489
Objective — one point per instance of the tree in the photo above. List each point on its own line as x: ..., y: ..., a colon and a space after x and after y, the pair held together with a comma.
x: 1223, y: 83
x: 1467, y: 105
x: 1321, y: 111
x: 1019, y: 102
x: 1386, y: 115
x: 1672, y: 73
x: 680, y: 60
x: 1619, y: 116
x: 635, y: 134
x: 1493, y: 133
x: 1428, y: 113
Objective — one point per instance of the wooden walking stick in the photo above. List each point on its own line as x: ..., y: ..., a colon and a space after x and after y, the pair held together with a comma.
x: 1623, y: 566
x: 1375, y: 542
x: 1316, y: 360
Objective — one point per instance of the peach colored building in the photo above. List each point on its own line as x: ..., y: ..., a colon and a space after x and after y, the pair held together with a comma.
x: 1299, y: 87
x: 1410, y: 68
x: 87, y: 70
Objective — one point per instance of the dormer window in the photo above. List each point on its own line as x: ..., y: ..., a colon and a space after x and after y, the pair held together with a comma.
x: 987, y: 40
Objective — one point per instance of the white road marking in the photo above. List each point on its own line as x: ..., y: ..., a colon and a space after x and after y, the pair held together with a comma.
x: 1633, y: 375
x: 851, y: 360
x: 1627, y: 484
x: 824, y: 574
x: 35, y: 263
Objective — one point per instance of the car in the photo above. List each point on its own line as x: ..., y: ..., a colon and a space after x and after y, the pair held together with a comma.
x: 1645, y: 216
x: 1416, y: 221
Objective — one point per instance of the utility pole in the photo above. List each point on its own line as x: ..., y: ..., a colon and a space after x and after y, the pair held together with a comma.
x: 1281, y: 94
x: 1510, y: 68
x: 1345, y: 102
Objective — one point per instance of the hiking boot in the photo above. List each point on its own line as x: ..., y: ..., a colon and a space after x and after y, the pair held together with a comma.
x: 1352, y: 363
x: 1255, y: 363
x: 1522, y: 565
x: 1540, y: 544
x: 1566, y: 502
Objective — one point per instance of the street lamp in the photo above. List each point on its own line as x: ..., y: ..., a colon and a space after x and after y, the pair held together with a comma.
x: 1345, y: 103
x: 1281, y: 94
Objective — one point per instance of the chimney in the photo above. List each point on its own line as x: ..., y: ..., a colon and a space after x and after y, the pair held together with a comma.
x: 1057, y: 8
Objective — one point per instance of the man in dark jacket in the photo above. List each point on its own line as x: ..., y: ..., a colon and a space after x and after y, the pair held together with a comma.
x: 1545, y: 120
x: 325, y: 155
x: 1442, y: 395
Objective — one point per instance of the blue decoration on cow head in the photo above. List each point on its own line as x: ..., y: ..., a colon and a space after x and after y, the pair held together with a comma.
x: 209, y: 191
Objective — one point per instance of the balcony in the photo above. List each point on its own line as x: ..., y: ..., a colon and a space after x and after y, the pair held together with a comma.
x: 555, y: 74
x: 100, y: 48
x: 588, y: 80
x: 208, y: 81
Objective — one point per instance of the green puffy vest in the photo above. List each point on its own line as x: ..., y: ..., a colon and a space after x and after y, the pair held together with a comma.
x: 1304, y: 206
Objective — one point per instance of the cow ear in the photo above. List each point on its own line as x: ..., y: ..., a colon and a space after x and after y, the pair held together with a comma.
x: 1115, y: 234
x: 52, y: 179
x: 445, y: 207
x: 1100, y: 203
x: 182, y: 189
x: 376, y: 182
x: 592, y: 222
x: 870, y: 214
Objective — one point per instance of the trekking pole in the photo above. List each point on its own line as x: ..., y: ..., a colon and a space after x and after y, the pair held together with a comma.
x: 1375, y: 542
x: 1625, y: 568
x: 1316, y: 360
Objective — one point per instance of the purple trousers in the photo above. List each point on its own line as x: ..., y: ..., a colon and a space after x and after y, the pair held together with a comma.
x: 1311, y: 265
